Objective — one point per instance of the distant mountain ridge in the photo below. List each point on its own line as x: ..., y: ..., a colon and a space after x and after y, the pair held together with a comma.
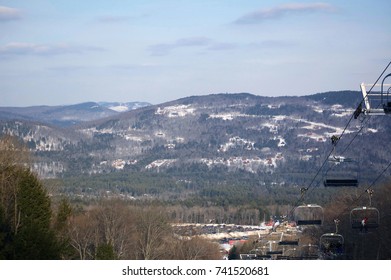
x: 279, y: 140
x: 68, y: 115
x: 123, y: 106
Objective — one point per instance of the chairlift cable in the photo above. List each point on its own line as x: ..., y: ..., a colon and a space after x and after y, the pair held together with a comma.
x: 366, y: 120
x: 368, y: 190
x: 343, y: 132
x: 384, y: 170
x: 335, y: 143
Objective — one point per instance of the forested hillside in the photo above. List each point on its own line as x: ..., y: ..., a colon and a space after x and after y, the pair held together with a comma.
x: 219, y: 149
x: 39, y: 222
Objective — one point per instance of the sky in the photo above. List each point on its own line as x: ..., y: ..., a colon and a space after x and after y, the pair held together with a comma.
x: 60, y: 52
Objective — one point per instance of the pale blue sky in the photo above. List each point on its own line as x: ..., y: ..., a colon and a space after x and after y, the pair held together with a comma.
x: 66, y: 51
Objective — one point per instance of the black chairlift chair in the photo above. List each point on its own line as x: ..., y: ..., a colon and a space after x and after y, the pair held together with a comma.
x: 365, y: 218
x: 309, y: 252
x: 341, y: 173
x: 309, y: 214
x: 340, y: 182
x: 293, y: 254
x: 288, y: 240
x: 332, y: 244
x: 261, y: 253
x: 274, y: 248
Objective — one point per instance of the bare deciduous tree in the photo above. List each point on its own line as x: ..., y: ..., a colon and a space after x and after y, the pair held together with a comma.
x: 12, y: 154
x: 82, y: 231
x: 194, y: 249
x: 151, y: 230
x: 114, y: 221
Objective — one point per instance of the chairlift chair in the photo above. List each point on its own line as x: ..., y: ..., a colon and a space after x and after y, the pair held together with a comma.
x: 331, y: 244
x: 248, y: 256
x: 341, y: 172
x: 293, y: 254
x: 364, y: 218
x: 282, y: 257
x: 377, y: 103
x: 274, y: 248
x: 310, y: 214
x: 309, y: 252
x: 261, y: 253
x: 288, y: 240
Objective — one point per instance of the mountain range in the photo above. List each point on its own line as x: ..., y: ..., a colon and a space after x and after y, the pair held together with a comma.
x: 68, y: 115
x: 274, y: 140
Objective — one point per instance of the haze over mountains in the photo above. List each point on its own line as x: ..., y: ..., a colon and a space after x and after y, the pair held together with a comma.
x: 68, y: 115
x: 281, y: 140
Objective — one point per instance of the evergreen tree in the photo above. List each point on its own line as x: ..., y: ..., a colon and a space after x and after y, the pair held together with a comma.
x: 34, y: 239
x: 233, y: 254
x: 105, y: 252
x: 25, y: 208
x: 61, y: 227
x: 4, y: 236
x: 64, y: 212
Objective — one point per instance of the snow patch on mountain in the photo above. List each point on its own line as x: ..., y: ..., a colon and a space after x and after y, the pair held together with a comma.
x: 175, y: 111
x: 160, y: 163
x: 228, y: 116
x: 250, y: 164
x: 237, y: 142
x: 119, y: 108
x: 281, y: 142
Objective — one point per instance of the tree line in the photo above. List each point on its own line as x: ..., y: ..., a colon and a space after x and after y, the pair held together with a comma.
x: 34, y: 227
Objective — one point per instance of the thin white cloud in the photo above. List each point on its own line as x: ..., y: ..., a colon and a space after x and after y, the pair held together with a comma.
x: 222, y: 47
x: 204, y: 43
x: 21, y: 48
x: 192, y: 41
x: 8, y: 14
x: 283, y: 11
x: 165, y: 49
x: 117, y: 19
x: 271, y: 44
